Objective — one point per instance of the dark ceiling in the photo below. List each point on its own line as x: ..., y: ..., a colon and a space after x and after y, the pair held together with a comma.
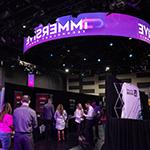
x: 84, y: 54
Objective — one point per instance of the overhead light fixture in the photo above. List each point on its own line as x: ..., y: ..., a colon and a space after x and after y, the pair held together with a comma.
x: 98, y: 59
x: 107, y: 68
x: 130, y: 55
x: 117, y: 5
x: 111, y: 44
x: 64, y: 65
x: 24, y: 26
x: 66, y: 70
x: 51, y: 55
x: 82, y: 74
x: 1, y: 62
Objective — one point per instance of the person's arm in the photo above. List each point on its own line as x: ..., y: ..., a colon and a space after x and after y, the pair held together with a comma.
x: 55, y: 115
x: 89, y: 113
x: 65, y: 115
x: 34, y: 120
x: 53, y: 111
x: 8, y: 120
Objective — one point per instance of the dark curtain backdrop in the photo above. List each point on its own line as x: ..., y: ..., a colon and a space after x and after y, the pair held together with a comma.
x: 123, y: 134
x: 58, y: 96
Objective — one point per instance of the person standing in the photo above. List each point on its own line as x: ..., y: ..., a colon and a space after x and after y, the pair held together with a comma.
x: 97, y: 114
x: 79, y: 119
x: 6, y: 125
x: 60, y: 117
x: 24, y: 120
x: 48, y: 115
x: 89, y: 123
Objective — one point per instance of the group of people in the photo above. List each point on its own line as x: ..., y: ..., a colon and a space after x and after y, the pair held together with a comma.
x: 21, y: 122
x: 92, y: 116
x: 24, y: 120
x: 85, y: 120
x: 59, y: 117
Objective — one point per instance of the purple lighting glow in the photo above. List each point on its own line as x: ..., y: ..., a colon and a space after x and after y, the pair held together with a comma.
x: 90, y: 24
x: 31, y: 78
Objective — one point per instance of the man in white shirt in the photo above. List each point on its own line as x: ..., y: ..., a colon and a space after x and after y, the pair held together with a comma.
x: 89, y: 123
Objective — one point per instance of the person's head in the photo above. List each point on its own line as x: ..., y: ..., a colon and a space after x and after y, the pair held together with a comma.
x: 94, y: 104
x: 25, y: 99
x: 87, y: 104
x: 49, y: 100
x: 79, y: 106
x: 60, y: 108
x: 6, y: 110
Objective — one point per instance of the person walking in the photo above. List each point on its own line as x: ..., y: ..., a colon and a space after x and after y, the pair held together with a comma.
x: 6, y: 125
x: 24, y: 120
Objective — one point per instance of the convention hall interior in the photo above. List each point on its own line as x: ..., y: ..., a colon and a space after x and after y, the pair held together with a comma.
x: 90, y: 52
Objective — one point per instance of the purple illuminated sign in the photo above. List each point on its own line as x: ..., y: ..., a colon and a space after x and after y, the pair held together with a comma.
x: 90, y: 24
x: 31, y: 80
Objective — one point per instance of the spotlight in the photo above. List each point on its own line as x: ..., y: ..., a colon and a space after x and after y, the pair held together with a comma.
x: 111, y: 44
x: 51, y: 55
x: 64, y: 65
x: 82, y: 74
x: 66, y: 70
x: 68, y: 50
x: 130, y: 55
x: 2, y: 63
x: 99, y: 60
x: 84, y: 59
x: 130, y: 38
x: 24, y: 26
x: 107, y: 68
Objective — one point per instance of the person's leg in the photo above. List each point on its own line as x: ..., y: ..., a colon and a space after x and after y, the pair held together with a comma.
x: 63, y: 134
x: 97, y: 130
x: 78, y: 129
x: 91, y: 131
x: 87, y: 130
x: 51, y: 129
x: 5, y: 141
x: 58, y: 134
x: 47, y: 129
x: 27, y: 141
x: 17, y: 142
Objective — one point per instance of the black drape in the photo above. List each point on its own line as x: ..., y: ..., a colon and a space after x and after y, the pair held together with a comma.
x: 123, y: 134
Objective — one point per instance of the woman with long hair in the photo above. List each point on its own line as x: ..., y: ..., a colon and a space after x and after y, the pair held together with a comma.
x: 60, y: 117
x: 6, y: 124
x: 79, y: 119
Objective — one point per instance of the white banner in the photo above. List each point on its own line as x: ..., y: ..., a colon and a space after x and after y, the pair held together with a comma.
x: 131, y: 98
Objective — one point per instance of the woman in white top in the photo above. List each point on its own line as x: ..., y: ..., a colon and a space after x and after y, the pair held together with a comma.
x: 79, y: 118
x: 60, y: 117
